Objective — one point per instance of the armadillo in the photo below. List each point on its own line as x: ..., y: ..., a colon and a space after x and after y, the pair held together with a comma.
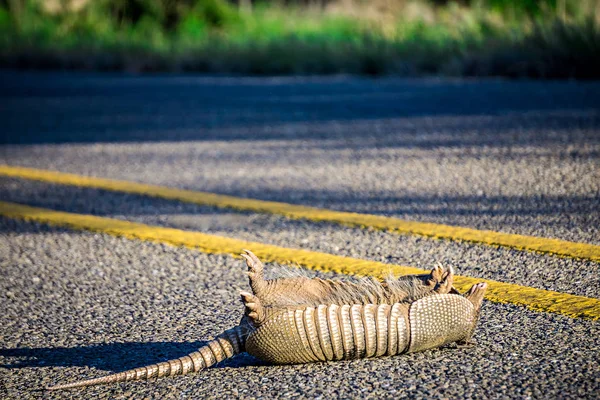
x: 299, y: 328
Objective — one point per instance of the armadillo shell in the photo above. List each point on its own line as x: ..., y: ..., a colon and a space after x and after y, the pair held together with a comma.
x: 331, y: 332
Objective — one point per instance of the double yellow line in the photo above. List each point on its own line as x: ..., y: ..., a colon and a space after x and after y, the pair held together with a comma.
x: 534, y: 299
x: 293, y: 211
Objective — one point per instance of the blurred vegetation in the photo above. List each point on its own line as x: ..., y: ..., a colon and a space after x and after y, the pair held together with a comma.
x: 515, y: 38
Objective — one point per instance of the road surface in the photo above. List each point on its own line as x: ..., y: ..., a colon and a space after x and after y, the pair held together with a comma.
x: 510, y: 156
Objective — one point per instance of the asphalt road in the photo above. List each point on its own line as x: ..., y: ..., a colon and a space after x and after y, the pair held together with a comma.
x: 520, y: 157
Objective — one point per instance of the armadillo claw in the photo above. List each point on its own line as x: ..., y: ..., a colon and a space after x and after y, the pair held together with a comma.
x: 445, y: 284
x: 253, y: 263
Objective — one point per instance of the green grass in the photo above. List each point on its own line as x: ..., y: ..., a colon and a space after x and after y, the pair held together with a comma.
x: 214, y: 37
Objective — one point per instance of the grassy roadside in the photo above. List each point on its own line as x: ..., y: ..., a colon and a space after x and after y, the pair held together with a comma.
x: 215, y: 37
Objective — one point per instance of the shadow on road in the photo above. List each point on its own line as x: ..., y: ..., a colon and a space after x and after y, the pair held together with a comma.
x: 111, y: 356
x: 107, y: 203
x: 42, y: 108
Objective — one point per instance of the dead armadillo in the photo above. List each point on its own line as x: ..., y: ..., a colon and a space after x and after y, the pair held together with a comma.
x: 299, y: 328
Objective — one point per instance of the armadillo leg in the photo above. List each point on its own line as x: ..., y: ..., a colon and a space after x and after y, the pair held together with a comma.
x: 445, y: 283
x: 441, y: 279
x: 435, y: 276
x: 254, y: 308
x: 476, y: 293
x: 255, y: 271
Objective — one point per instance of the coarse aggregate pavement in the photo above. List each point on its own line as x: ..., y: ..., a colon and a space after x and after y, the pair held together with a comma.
x: 543, y: 271
x: 511, y: 156
x: 83, y: 304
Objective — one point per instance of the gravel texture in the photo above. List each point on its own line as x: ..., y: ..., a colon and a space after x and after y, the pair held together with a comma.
x: 80, y: 304
x: 581, y: 277
x: 511, y: 156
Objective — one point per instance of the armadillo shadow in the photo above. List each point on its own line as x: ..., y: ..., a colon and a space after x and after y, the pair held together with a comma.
x: 112, y: 357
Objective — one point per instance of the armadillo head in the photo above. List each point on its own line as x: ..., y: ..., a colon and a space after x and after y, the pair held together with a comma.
x: 441, y: 319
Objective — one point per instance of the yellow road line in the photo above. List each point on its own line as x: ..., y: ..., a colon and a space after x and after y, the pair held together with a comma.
x: 396, y: 225
x: 534, y: 299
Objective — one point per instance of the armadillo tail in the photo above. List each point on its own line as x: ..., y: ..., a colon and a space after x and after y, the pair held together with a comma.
x: 226, y: 345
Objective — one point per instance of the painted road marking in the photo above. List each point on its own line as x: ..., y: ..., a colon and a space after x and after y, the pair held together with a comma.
x: 395, y: 225
x: 534, y: 299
